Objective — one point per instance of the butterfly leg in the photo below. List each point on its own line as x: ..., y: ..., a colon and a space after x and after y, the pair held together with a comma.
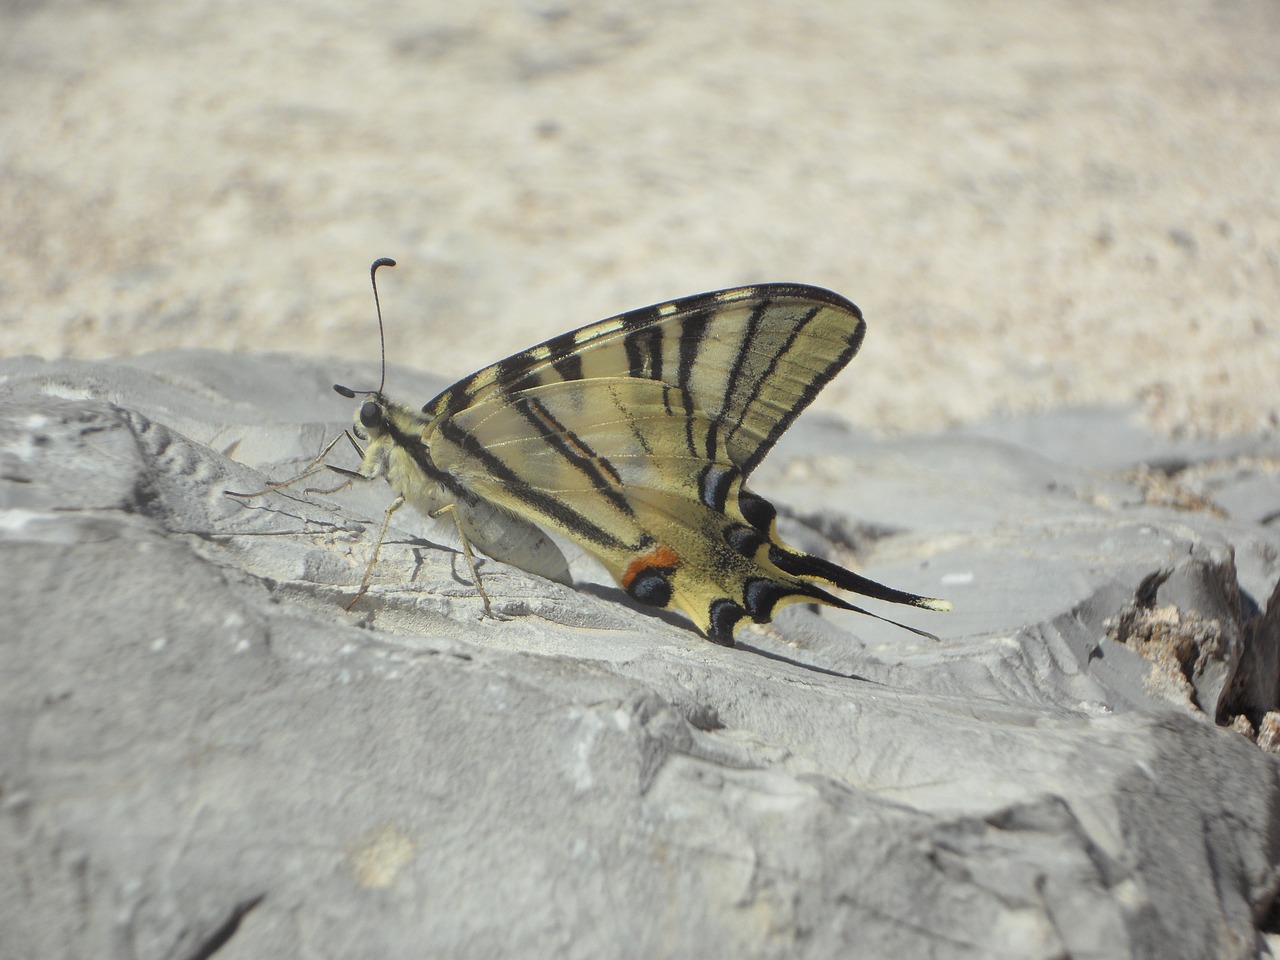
x: 314, y: 467
x: 396, y: 504
x: 451, y: 509
x: 351, y: 475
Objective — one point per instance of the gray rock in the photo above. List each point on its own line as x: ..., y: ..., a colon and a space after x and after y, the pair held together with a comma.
x: 206, y: 754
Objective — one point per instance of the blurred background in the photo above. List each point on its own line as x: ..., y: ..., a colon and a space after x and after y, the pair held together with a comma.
x: 1036, y: 204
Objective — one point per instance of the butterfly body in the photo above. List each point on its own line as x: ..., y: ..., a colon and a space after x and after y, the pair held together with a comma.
x: 633, y: 437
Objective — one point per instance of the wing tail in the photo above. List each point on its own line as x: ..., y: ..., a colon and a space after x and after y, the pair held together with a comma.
x: 809, y: 567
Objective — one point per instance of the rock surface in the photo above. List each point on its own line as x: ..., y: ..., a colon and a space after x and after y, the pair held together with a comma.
x: 206, y: 755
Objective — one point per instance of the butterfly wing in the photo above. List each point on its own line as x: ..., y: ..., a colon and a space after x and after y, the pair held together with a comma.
x: 748, y: 359
x: 605, y: 463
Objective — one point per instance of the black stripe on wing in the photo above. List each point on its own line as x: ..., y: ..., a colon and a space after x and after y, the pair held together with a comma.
x: 564, y: 359
x: 693, y: 332
x: 643, y: 344
x: 602, y: 474
x: 541, y: 502
x: 746, y: 344
x: 807, y: 396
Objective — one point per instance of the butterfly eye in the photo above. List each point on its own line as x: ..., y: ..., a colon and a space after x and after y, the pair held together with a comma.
x: 370, y: 414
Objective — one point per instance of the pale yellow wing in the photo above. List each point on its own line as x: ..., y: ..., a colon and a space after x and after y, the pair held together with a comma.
x: 628, y: 468
x: 749, y: 360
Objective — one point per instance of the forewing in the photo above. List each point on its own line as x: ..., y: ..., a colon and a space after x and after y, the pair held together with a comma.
x: 745, y: 361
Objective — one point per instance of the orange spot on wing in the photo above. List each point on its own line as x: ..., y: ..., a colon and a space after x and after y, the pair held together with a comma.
x: 662, y: 558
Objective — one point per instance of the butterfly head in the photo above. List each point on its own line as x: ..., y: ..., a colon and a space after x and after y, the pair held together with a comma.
x: 371, y: 417
x: 379, y: 418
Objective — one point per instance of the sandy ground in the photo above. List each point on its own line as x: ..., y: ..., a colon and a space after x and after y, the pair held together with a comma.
x: 1035, y: 204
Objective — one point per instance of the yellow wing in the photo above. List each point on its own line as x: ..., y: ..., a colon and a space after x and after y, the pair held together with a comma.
x: 633, y: 437
x: 749, y: 359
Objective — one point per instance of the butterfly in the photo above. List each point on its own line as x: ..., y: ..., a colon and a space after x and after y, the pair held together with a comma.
x: 633, y: 438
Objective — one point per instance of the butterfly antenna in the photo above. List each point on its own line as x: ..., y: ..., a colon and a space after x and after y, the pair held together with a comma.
x: 382, y: 337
